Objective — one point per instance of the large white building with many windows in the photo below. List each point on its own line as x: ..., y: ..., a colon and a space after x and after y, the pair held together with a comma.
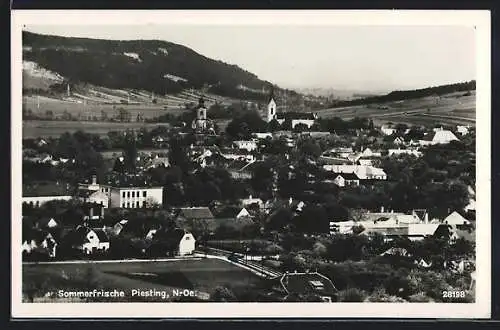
x: 136, y: 197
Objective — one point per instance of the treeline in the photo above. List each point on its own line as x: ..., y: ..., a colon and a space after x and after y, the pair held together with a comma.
x: 102, y: 62
x: 412, y: 94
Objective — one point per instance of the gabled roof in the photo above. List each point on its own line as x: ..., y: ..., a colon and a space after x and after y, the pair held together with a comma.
x: 101, y: 235
x: 348, y: 176
x: 202, y: 212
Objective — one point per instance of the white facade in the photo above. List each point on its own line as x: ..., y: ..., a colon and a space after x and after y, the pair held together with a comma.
x: 187, y: 244
x: 456, y: 219
x: 246, y: 145
x: 93, y: 243
x: 363, y: 172
x: 307, y: 122
x: 271, y: 110
x: 136, y: 197
x: 387, y: 130
x: 397, y: 152
x: 243, y: 213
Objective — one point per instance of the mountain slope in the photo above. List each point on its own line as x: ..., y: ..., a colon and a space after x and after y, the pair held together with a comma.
x: 156, y: 66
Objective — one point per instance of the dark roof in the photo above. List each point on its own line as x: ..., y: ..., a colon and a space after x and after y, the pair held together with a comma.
x: 308, y: 283
x: 36, y: 235
x: 295, y: 115
x: 103, y: 237
x: 229, y: 212
x: 46, y: 188
x: 196, y: 213
x: 348, y: 176
x: 420, y: 214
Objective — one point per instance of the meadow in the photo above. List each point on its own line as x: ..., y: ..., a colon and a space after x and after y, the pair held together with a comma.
x: 203, y: 275
x: 451, y: 109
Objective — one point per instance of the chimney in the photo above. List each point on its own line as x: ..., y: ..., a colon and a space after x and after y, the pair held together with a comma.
x: 94, y: 179
x: 381, y: 209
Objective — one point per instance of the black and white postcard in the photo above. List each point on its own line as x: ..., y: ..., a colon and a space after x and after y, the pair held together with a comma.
x: 251, y: 164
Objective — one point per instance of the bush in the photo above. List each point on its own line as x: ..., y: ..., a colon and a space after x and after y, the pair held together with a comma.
x: 352, y: 295
x: 380, y: 295
x: 420, y: 297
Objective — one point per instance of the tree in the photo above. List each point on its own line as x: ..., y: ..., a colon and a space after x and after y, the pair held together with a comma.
x: 243, y: 126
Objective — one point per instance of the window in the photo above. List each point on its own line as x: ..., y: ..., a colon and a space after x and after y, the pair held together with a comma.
x: 123, y: 194
x: 187, y: 238
x: 137, y: 204
x: 144, y: 204
x: 123, y: 205
x: 138, y: 194
x: 128, y: 194
x: 144, y: 193
x: 133, y: 193
x: 128, y: 204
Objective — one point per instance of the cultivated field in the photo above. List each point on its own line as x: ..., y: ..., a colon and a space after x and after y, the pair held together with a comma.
x: 42, y: 128
x: 451, y: 109
x: 202, y: 275
x: 39, y: 105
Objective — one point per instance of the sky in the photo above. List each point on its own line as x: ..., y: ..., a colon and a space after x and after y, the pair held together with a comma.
x: 360, y: 58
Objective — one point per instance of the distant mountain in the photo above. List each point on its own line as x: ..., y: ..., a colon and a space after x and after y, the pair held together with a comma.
x: 155, y: 66
x: 412, y: 94
x: 338, y: 94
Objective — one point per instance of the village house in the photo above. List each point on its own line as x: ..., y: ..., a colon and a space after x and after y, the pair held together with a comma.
x: 463, y: 130
x: 88, y: 240
x: 195, y: 213
x: 249, y: 145
x: 40, y: 241
x: 179, y: 242
x: 398, y: 140
x: 398, y: 152
x: 456, y: 218
x: 346, y: 179
x: 250, y: 201
x: 441, y: 136
x: 363, y: 172
x: 387, y: 130
x: 369, y: 153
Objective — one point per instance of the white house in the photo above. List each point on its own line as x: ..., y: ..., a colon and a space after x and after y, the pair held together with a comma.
x: 346, y: 179
x: 363, y: 172
x: 307, y: 122
x: 136, y: 197
x: 397, y: 152
x: 399, y: 140
x: 463, y: 130
x: 95, y: 240
x: 456, y: 219
x: 370, y: 153
x: 251, y: 201
x: 249, y: 145
x: 243, y: 213
x: 440, y: 137
x: 39, y: 240
x: 187, y: 244
x: 386, y: 130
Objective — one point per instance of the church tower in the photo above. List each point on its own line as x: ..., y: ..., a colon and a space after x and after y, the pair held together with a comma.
x: 200, y: 122
x: 271, y: 108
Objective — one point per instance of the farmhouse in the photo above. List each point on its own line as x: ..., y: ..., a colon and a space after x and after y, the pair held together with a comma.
x: 246, y: 145
x: 346, y: 179
x: 441, y: 136
x: 397, y: 152
x: 87, y: 240
x: 456, y: 218
x: 386, y: 130
x: 463, y: 130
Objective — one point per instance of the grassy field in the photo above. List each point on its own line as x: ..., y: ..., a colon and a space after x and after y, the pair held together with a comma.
x: 40, y: 105
x: 451, y: 109
x: 202, y: 275
x: 42, y: 128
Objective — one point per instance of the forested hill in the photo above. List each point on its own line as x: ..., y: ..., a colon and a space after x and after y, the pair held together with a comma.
x: 413, y: 94
x: 157, y: 66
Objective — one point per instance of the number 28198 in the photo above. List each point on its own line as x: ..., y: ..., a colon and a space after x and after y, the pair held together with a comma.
x: 453, y: 294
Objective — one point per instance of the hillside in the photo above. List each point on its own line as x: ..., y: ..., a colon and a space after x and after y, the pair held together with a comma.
x: 154, y: 66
